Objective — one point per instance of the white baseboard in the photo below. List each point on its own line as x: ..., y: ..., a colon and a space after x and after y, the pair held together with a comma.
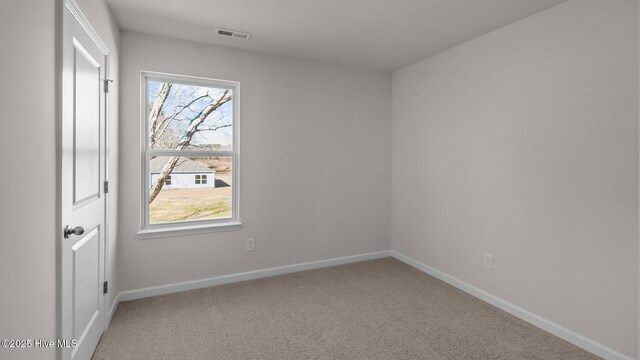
x: 249, y: 275
x: 544, y: 324
x: 113, y: 308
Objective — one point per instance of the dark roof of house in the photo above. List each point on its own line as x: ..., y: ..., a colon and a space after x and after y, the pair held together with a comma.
x: 184, y: 165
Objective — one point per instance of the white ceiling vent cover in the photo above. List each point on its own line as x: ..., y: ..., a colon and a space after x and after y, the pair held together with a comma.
x: 233, y: 33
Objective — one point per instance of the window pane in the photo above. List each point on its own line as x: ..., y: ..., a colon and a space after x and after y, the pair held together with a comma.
x: 189, y: 117
x: 188, y: 199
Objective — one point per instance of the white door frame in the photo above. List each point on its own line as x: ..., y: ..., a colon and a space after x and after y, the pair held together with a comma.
x: 61, y: 6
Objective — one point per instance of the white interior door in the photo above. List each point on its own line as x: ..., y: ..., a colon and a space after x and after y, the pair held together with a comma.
x: 82, y: 166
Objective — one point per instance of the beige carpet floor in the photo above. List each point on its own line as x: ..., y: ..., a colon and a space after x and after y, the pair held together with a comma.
x: 379, y: 309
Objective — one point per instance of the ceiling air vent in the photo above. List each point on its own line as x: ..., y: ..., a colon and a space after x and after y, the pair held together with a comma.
x: 233, y: 33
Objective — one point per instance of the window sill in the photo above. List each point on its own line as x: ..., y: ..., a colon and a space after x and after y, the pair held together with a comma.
x: 160, y: 232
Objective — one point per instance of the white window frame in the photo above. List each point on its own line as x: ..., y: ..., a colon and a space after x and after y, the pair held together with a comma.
x: 148, y: 230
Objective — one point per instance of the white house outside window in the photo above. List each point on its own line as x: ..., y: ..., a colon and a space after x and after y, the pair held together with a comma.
x: 189, y: 154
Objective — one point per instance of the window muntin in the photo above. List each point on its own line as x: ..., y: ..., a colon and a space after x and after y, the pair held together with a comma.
x: 190, y: 138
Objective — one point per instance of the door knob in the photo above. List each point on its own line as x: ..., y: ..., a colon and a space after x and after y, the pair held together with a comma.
x: 68, y: 231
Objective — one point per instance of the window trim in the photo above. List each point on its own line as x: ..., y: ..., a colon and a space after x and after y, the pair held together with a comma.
x: 148, y: 230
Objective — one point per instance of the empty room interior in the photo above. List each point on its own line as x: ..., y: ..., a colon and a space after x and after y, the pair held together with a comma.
x: 299, y: 179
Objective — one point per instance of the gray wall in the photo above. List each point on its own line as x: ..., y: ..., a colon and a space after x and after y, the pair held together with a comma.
x: 524, y: 144
x: 27, y: 214
x: 315, y: 150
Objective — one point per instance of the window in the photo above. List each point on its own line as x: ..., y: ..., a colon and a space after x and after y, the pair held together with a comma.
x: 201, y: 179
x: 190, y: 128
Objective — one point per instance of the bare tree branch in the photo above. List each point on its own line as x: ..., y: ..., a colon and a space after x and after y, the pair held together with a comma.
x: 156, y: 109
x: 185, y: 140
x: 167, y: 121
x: 215, y: 128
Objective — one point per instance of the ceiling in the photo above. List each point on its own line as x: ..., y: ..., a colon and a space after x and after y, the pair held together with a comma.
x: 376, y: 34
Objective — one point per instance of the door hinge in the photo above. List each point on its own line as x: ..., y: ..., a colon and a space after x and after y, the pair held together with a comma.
x: 106, y: 187
x: 106, y: 84
x: 105, y: 287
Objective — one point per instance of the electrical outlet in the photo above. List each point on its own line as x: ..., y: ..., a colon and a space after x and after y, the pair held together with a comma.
x: 251, y: 244
x: 488, y: 262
